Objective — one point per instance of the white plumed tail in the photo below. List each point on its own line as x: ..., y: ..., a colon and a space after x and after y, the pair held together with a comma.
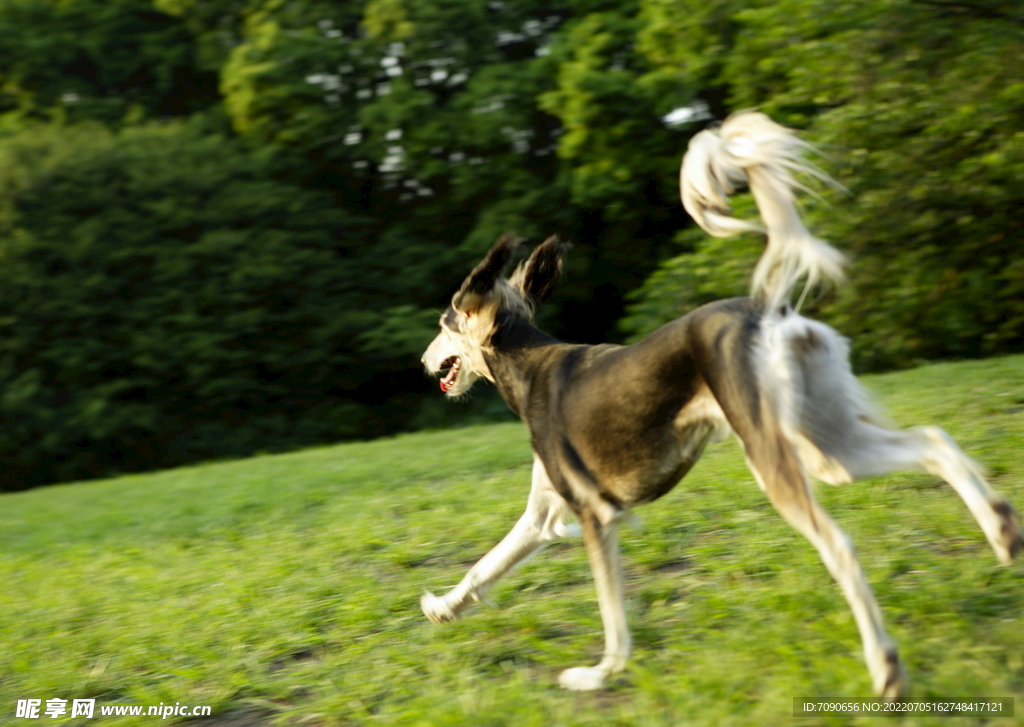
x: 750, y: 148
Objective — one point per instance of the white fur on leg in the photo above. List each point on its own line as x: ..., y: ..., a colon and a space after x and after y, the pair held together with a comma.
x: 543, y: 521
x: 871, y: 450
x: 838, y: 437
x: 997, y: 519
x: 837, y: 552
x: 602, y: 541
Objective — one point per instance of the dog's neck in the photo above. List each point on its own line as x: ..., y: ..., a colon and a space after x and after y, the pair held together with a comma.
x: 519, y: 351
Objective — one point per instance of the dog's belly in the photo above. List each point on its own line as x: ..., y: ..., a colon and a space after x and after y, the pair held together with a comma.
x: 633, y: 447
x: 649, y: 464
x: 659, y: 469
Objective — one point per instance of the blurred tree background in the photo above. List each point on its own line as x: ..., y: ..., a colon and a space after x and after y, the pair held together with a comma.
x: 228, y: 226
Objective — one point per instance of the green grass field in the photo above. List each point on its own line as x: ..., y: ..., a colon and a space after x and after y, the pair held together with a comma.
x: 285, y: 588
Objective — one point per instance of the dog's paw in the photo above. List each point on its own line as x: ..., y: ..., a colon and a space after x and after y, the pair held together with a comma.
x: 435, y: 608
x: 1010, y: 540
x: 892, y: 683
x: 583, y: 678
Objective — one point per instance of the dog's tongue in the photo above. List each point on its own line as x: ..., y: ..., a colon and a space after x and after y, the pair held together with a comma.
x: 446, y: 382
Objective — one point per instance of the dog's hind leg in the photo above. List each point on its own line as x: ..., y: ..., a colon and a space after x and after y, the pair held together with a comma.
x: 840, y: 438
x: 873, y: 450
x: 777, y: 466
x: 602, y: 543
x: 542, y: 523
x: 780, y: 475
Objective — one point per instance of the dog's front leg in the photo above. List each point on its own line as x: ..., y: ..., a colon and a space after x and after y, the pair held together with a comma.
x: 602, y: 543
x: 540, y: 524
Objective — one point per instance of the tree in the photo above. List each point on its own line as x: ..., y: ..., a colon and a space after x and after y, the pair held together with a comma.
x: 109, y: 60
x: 921, y: 112
x: 263, y: 271
x: 164, y: 299
x: 456, y: 123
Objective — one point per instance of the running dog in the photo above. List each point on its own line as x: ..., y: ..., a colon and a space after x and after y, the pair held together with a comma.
x: 614, y: 427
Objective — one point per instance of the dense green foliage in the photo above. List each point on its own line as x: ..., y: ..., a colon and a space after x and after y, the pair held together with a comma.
x: 227, y: 226
x: 106, y: 60
x: 287, y: 587
x: 920, y: 107
x: 149, y: 327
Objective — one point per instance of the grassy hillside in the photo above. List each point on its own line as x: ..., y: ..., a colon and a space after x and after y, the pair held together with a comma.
x: 287, y: 587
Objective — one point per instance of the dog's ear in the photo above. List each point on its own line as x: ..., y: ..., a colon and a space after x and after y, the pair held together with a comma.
x: 480, y: 282
x: 537, y: 277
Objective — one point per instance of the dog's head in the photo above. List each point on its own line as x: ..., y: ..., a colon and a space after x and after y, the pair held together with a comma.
x: 469, y: 323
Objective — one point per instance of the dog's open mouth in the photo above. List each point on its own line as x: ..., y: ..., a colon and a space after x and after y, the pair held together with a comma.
x: 453, y: 364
